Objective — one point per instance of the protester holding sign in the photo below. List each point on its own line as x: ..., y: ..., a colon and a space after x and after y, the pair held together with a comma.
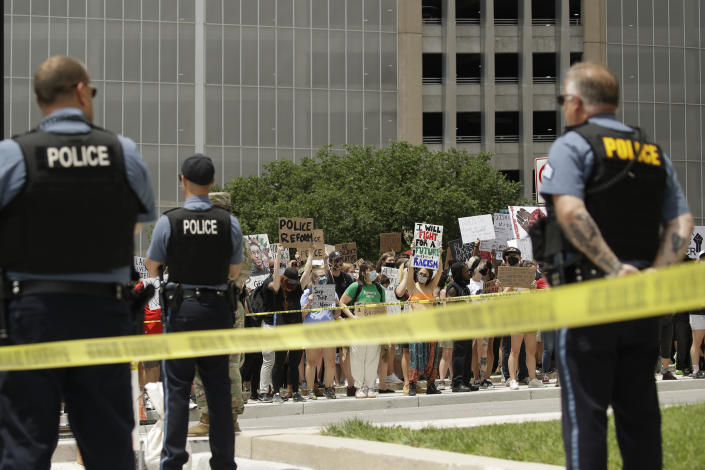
x: 342, y: 280
x: 313, y: 355
x: 364, y: 358
x: 387, y: 263
x: 423, y: 356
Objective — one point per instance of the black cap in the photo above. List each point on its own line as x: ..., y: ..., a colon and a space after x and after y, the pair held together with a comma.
x: 198, y: 169
x: 335, y: 255
x: 511, y: 250
x: 292, y: 275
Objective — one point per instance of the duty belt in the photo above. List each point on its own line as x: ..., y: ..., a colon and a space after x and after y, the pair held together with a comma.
x: 101, y: 289
x: 199, y: 292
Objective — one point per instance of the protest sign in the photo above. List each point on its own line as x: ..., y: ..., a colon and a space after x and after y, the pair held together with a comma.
x: 319, y: 246
x: 330, y: 248
x: 255, y: 281
x: 503, y: 231
x: 349, y: 251
x: 523, y: 218
x: 524, y: 245
x: 138, y: 263
x: 285, y: 257
x: 259, y: 253
x: 323, y: 296
x: 696, y: 241
x: 477, y: 227
x: 295, y: 232
x: 426, y: 252
x: 392, y: 274
x: 389, y: 242
x: 368, y: 309
x: 460, y: 251
x: 516, y: 277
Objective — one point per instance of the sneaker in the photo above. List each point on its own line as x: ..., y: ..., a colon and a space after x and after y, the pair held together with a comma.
x: 524, y: 381
x: 351, y: 391
x: 486, y: 385
x: 535, y: 383
x: 441, y: 385
x: 545, y: 380
x: 668, y: 375
x: 265, y: 398
x: 506, y: 382
x: 431, y: 389
x: 513, y: 385
x: 297, y: 397
x: 192, y: 404
x: 329, y: 393
x: 277, y: 398
x: 317, y: 391
x: 699, y: 374
x: 360, y: 393
x: 393, y: 379
x: 371, y: 393
x: 303, y: 385
x: 412, y: 389
x: 311, y: 395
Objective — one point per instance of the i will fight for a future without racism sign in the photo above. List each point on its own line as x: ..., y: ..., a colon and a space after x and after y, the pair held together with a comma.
x: 428, y: 239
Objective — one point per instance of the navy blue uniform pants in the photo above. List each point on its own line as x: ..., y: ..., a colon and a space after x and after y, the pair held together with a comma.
x: 207, y: 313
x: 98, y: 398
x: 610, y: 365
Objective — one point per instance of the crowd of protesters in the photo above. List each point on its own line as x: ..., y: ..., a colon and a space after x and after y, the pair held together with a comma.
x: 458, y: 366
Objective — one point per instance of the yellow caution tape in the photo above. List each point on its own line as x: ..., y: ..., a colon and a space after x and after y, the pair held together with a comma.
x: 675, y: 289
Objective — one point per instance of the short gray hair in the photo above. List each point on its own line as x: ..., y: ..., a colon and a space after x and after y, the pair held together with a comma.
x: 594, y: 83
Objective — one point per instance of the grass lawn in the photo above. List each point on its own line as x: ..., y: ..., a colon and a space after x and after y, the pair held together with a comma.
x: 683, y: 428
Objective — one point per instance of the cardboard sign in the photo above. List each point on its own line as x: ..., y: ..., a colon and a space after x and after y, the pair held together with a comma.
x: 389, y: 242
x: 428, y: 239
x: 319, y: 246
x: 392, y: 274
x: 696, y: 242
x: 295, y: 232
x: 323, y: 296
x: 349, y: 251
x: 516, y: 277
x: 255, y: 281
x: 366, y: 310
x: 358, y: 263
x: 524, y: 245
x: 138, y: 263
x: 461, y: 252
x: 479, y: 227
x: 523, y: 218
x: 285, y: 257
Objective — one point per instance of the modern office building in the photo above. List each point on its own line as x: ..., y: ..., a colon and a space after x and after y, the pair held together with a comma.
x: 252, y: 81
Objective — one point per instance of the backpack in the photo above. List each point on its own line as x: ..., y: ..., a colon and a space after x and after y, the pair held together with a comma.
x: 256, y: 303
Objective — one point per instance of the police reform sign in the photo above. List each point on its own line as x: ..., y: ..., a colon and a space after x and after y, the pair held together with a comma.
x: 426, y: 252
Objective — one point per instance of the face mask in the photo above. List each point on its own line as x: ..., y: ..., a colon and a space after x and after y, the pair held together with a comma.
x: 372, y: 275
x: 322, y: 281
x: 512, y: 261
x: 483, y: 271
x: 422, y: 278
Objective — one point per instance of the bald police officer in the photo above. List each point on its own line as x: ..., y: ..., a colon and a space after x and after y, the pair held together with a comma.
x: 71, y: 196
x: 202, y: 246
x: 617, y: 199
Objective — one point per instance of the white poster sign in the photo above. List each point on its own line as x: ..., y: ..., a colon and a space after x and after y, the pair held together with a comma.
x: 323, y: 296
x: 524, y: 245
x: 523, y: 218
x: 696, y: 241
x: 478, y: 227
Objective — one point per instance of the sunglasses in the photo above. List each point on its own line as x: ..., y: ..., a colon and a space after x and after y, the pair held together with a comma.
x: 561, y: 99
x: 94, y: 91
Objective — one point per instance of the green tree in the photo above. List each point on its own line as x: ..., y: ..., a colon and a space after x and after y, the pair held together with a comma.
x: 361, y: 192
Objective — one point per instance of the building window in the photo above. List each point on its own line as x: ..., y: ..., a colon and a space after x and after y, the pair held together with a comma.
x: 467, y: 12
x: 511, y: 175
x: 432, y: 128
x: 576, y: 57
x: 468, y: 68
x: 469, y: 129
x: 545, y: 125
x: 432, y: 68
x: 506, y: 12
x: 431, y: 11
x: 543, y: 12
x: 506, y: 68
x: 544, y: 67
x: 574, y: 12
x: 506, y: 126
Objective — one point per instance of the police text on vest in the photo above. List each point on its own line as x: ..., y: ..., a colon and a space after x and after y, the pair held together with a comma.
x: 72, y: 157
x: 200, y: 227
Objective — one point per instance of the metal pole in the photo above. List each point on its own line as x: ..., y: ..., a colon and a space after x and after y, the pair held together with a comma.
x: 2, y: 70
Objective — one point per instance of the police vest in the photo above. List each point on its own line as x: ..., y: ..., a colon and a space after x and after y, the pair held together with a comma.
x: 76, y: 212
x: 199, y: 247
x: 624, y: 193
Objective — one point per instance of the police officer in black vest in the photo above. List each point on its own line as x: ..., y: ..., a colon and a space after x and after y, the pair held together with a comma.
x: 618, y: 202
x: 71, y: 197
x: 202, y: 246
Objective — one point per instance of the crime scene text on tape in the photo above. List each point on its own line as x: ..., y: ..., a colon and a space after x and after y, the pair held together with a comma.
x: 674, y: 289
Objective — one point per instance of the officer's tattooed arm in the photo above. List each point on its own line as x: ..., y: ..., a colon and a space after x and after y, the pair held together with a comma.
x: 582, y: 231
x: 674, y: 240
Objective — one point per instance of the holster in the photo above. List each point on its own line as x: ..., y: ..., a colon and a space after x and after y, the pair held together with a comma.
x: 232, y: 294
x: 171, y: 296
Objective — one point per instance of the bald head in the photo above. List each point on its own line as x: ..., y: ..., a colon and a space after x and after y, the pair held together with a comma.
x: 593, y: 83
x: 56, y: 78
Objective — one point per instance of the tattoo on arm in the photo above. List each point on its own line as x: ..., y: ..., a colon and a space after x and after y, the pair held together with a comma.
x: 585, y: 235
x: 677, y: 242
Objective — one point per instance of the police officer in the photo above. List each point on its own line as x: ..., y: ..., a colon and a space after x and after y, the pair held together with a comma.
x: 202, y: 246
x: 617, y: 200
x: 71, y: 197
